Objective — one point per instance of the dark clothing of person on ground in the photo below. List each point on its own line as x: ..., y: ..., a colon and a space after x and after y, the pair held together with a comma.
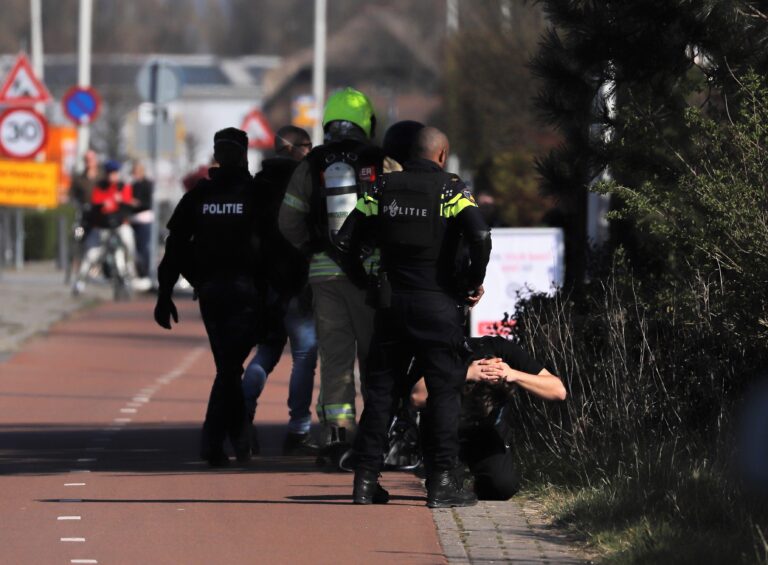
x: 498, y: 368
x: 418, y: 215
x: 214, y: 243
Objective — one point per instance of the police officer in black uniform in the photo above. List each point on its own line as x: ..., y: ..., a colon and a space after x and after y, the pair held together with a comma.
x: 419, y: 216
x: 214, y: 243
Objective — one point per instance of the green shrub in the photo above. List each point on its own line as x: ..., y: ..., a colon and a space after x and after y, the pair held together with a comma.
x: 41, y: 226
x: 657, y: 364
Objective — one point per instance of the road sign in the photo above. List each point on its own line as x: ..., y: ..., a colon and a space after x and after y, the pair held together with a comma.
x: 22, y: 133
x: 81, y: 104
x: 162, y: 77
x: 22, y: 87
x: 304, y: 112
x: 29, y: 184
x: 260, y: 135
x: 61, y: 148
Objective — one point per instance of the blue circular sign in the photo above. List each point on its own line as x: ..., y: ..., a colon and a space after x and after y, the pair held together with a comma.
x: 81, y: 104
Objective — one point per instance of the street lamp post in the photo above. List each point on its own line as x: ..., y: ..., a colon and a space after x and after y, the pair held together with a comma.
x: 318, y: 70
x: 84, y: 72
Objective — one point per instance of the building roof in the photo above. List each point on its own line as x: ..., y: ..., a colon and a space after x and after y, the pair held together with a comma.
x: 376, y: 41
x: 204, y: 75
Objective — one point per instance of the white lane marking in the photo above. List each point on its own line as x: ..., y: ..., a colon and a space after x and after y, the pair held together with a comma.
x: 140, y: 399
x: 68, y: 518
x: 73, y: 539
x: 74, y: 484
x: 135, y: 404
x: 83, y: 561
x: 121, y: 420
x: 86, y: 460
x: 128, y: 410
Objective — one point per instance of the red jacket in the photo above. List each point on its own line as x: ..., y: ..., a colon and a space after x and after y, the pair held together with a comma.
x: 110, y: 197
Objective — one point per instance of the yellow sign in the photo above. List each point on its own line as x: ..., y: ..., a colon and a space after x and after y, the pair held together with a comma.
x: 29, y: 184
x: 304, y: 112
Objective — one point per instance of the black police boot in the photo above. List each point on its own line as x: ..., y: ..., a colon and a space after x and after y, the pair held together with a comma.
x: 212, y: 450
x: 337, y: 444
x: 241, y: 442
x: 255, y: 445
x: 299, y: 444
x: 367, y: 489
x: 446, y: 489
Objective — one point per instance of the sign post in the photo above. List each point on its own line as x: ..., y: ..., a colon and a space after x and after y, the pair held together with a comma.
x: 158, y: 82
x: 22, y: 130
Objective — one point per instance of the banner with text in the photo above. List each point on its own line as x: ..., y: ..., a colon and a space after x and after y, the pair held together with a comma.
x: 523, y: 261
x: 29, y: 184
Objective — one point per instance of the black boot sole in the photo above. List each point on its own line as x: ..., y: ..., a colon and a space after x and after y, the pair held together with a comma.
x: 450, y: 503
x: 367, y: 500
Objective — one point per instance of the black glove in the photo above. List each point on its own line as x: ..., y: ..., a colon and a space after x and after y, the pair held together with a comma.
x: 165, y: 309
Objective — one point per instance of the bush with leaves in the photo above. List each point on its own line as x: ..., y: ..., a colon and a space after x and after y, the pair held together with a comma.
x: 657, y: 364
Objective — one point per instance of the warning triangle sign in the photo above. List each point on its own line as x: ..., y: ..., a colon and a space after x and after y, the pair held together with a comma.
x: 21, y: 86
x: 260, y: 135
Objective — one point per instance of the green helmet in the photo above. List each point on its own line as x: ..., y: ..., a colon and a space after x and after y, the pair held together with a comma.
x: 352, y: 106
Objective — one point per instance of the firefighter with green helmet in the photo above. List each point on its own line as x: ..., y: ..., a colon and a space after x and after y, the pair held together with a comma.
x: 322, y: 192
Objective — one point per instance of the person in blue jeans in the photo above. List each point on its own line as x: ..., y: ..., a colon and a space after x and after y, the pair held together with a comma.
x: 298, y: 328
x: 289, y: 311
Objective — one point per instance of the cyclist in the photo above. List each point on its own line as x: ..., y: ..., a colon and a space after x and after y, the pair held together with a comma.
x: 112, y: 204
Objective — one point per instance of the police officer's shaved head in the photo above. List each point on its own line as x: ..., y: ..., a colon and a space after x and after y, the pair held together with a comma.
x: 292, y: 142
x: 230, y: 147
x: 432, y: 144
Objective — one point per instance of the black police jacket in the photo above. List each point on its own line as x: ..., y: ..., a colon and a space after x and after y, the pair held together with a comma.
x: 419, y: 215
x: 288, y: 267
x: 214, y: 230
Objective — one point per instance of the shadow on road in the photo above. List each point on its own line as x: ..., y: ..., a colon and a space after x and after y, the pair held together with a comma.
x: 145, y: 449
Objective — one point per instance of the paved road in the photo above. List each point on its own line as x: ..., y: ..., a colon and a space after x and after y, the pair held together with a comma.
x: 98, y: 437
x: 99, y: 420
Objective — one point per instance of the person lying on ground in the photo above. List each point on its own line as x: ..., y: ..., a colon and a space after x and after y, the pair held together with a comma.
x: 498, y: 369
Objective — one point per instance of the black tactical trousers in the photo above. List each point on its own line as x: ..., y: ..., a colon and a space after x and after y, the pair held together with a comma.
x: 426, y: 326
x: 229, y: 307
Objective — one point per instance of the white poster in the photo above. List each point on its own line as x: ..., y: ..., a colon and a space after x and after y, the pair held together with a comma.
x: 523, y: 261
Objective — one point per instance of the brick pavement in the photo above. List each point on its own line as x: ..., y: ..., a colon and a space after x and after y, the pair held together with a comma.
x: 501, y: 532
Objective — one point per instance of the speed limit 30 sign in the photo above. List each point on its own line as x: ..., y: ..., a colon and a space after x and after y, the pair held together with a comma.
x: 23, y: 133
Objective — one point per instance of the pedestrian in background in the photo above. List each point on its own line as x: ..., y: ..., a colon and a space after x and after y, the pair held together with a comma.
x: 214, y: 243
x: 80, y: 196
x: 141, y: 222
x: 289, y: 302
